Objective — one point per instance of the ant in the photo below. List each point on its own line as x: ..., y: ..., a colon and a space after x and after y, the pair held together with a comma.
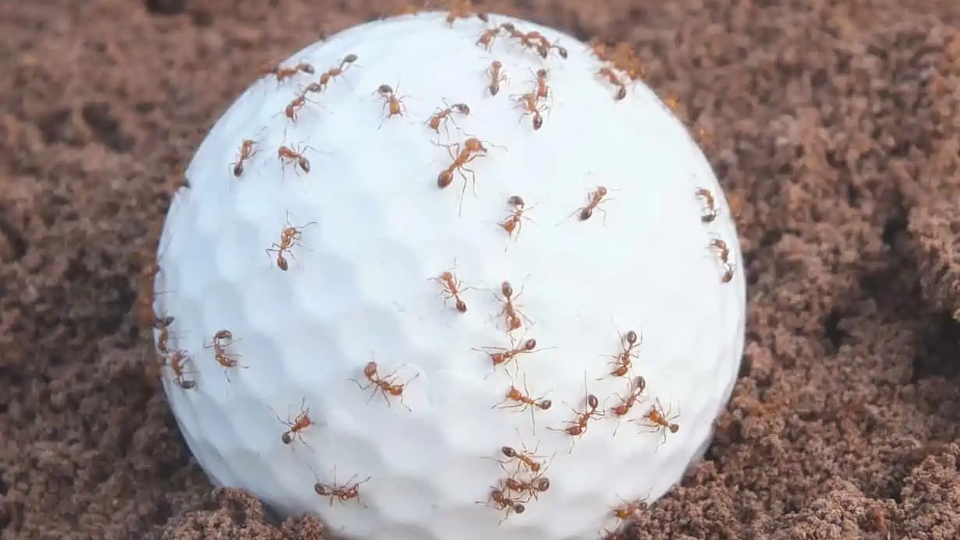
x: 578, y: 427
x: 611, y: 77
x: 723, y: 251
x: 442, y: 116
x: 463, y: 9
x: 710, y: 203
x: 296, y: 156
x: 300, y: 423
x: 661, y: 421
x: 343, y: 492
x: 452, y: 288
x: 486, y: 38
x: 542, y: 90
x: 728, y: 270
x: 331, y: 73
x: 637, y: 386
x: 283, y: 73
x: 289, y: 237
x: 246, y: 152
x: 178, y: 361
x: 627, y: 510
x: 530, y: 107
x: 496, y: 77
x: 383, y: 385
x: 533, y: 487
x: 501, y: 501
x: 163, y: 324
x: 523, y: 401
x: 624, y: 359
x: 525, y: 459
x: 594, y: 199
x: 511, y: 313
x: 392, y: 104
x: 471, y: 149
x: 502, y: 356
x: 293, y: 108
x: 513, y: 223
x: 221, y: 340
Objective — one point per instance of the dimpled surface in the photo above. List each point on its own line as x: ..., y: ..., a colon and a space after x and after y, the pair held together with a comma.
x: 376, y: 228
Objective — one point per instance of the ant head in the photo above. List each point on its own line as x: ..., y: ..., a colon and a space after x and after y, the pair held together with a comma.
x: 187, y: 385
x: 674, y: 428
x: 462, y: 108
x: 349, y: 59
x: 519, y: 508
x: 631, y: 337
x: 508, y: 451
x: 543, y: 484
x: 529, y: 344
x: 592, y: 401
x: 545, y: 405
x: 320, y: 489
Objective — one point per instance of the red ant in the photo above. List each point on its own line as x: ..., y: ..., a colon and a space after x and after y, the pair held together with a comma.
x: 530, y: 107
x: 501, y: 501
x: 471, y: 149
x: 510, y: 311
x: 283, y: 73
x: 514, y: 222
x: 661, y: 421
x: 442, y: 116
x: 710, y: 203
x: 289, y: 237
x: 594, y: 200
x: 637, y: 386
x: 452, y: 288
x: 500, y: 356
x: 383, y: 385
x: 496, y: 77
x: 392, y: 104
x: 515, y: 399
x: 178, y: 361
x: 611, y: 77
x: 624, y: 359
x: 343, y: 492
x: 463, y: 9
x: 578, y: 427
x: 533, y: 487
x: 300, y: 423
x: 221, y: 340
x: 330, y: 74
x: 246, y: 152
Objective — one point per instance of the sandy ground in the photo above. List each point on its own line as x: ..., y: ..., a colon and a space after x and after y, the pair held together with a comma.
x: 834, y: 126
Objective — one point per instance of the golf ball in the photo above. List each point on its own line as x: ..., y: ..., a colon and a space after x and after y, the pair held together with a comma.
x: 434, y: 279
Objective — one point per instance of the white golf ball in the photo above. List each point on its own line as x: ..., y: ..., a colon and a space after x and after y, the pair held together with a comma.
x: 289, y: 269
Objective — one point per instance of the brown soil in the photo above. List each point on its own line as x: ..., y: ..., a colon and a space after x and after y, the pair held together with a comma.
x: 835, y: 129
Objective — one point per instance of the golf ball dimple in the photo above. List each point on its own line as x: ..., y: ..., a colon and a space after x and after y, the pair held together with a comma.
x: 426, y: 287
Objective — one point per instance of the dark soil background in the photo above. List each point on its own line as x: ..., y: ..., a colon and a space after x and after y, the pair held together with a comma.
x: 836, y: 130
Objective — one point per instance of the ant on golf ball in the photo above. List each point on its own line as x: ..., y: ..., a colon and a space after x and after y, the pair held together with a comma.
x: 521, y: 400
x: 283, y: 73
x: 510, y: 312
x: 221, y: 340
x: 496, y: 77
x: 532, y: 488
x: 528, y: 102
x: 452, y: 288
x: 343, y: 492
x: 384, y: 385
x: 637, y: 386
x: 178, y: 360
x: 578, y: 426
x: 710, y: 205
x: 246, y: 152
x: 300, y: 423
x: 289, y: 237
x: 392, y: 104
x: 514, y: 222
x: 624, y: 360
x: 442, y: 116
x: 661, y: 421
